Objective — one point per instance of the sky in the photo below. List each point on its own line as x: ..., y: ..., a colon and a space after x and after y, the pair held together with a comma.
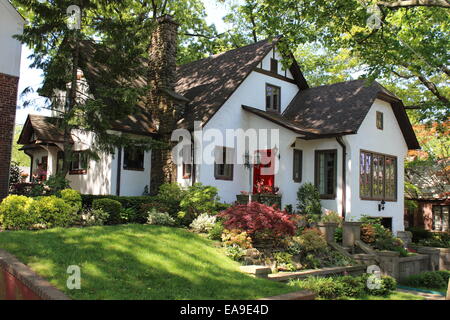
x: 30, y: 77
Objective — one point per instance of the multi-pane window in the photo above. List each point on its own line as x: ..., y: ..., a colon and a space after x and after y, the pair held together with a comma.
x: 441, y: 218
x: 272, y: 98
x: 133, y: 159
x: 223, y: 164
x: 297, y: 165
x: 379, y: 120
x: 377, y: 176
x: 78, y: 165
x: 326, y: 173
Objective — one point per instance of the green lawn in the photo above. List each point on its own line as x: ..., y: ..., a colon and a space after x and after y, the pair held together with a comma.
x: 136, y: 262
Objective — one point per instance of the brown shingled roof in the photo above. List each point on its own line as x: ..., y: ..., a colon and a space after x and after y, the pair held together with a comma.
x: 206, y: 83
x: 338, y: 109
x: 45, y: 130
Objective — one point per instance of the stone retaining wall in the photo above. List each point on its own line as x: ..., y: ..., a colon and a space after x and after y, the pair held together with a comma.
x: 21, y: 283
x: 324, y: 272
x: 444, y: 256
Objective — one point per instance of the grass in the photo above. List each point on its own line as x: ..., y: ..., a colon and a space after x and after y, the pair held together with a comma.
x: 136, y: 262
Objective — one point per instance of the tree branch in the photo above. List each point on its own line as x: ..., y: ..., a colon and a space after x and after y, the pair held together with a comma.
x: 415, y: 3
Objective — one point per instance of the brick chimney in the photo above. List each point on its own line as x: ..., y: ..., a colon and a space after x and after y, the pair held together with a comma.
x: 162, y: 72
x: 163, y: 103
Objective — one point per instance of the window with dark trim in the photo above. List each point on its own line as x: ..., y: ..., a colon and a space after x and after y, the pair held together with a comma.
x: 273, y: 65
x: 379, y: 120
x: 78, y: 165
x: 223, y: 165
x: 441, y: 218
x: 133, y: 159
x: 273, y: 98
x: 297, y: 165
x: 377, y: 176
x: 326, y: 173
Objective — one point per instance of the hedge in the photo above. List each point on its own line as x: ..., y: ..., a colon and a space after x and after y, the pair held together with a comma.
x: 127, y: 202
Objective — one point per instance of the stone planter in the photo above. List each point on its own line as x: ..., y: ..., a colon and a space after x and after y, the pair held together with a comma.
x: 439, y: 257
x: 328, y: 229
x: 351, y: 232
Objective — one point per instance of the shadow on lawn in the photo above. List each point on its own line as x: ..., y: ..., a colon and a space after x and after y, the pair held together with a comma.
x: 136, y: 262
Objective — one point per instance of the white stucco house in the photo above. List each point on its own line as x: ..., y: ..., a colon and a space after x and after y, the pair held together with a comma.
x: 349, y: 138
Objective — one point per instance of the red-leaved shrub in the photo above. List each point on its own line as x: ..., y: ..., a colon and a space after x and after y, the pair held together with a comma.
x: 256, y: 218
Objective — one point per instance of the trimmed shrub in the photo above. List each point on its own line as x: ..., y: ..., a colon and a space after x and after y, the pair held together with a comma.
x: 54, y: 212
x: 387, y: 285
x: 308, y: 200
x: 15, y: 213
x: 110, y: 206
x: 419, y: 234
x: 203, y: 223
x: 160, y: 218
x: 72, y: 197
x: 259, y: 221
x: 127, y: 202
x: 430, y: 279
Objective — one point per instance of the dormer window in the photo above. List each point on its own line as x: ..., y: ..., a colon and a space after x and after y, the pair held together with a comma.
x: 273, y: 65
x: 273, y: 98
x: 379, y: 120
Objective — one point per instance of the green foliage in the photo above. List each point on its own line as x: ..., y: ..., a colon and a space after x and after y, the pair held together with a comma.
x: 92, y: 217
x: 52, y: 186
x: 235, y: 252
x: 127, y: 202
x: 344, y: 286
x: 215, y: 233
x: 160, y: 218
x: 311, y: 240
x: 419, y: 234
x: 203, y: 223
x: 15, y: 213
x: 430, y: 279
x: 128, y: 215
x: 170, y: 195
x: 72, y: 197
x: 308, y: 200
x: 440, y: 240
x: 18, y: 156
x: 198, y: 199
x: 54, y: 212
x: 284, y: 260
x: 331, y: 216
x: 112, y: 207
x: 338, y: 234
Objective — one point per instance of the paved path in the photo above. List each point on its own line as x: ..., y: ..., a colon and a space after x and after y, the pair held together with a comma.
x: 427, y: 296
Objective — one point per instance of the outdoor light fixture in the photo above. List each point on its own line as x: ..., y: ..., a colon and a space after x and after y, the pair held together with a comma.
x: 381, y: 205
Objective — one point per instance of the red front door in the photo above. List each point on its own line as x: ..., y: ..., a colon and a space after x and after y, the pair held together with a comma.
x: 263, y: 173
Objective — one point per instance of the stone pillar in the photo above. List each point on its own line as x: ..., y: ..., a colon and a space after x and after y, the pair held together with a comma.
x: 434, y: 257
x: 328, y: 229
x: 8, y: 103
x: 351, y: 232
x: 406, y: 237
x: 389, y: 263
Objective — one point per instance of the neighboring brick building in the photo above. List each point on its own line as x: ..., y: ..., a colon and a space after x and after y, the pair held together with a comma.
x: 11, y: 23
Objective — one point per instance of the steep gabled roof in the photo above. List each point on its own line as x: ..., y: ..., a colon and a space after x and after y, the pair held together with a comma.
x: 337, y: 109
x: 205, y: 84
x: 208, y: 83
x: 45, y: 130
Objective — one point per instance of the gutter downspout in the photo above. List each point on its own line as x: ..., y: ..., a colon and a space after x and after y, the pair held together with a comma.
x: 344, y: 186
x: 119, y: 167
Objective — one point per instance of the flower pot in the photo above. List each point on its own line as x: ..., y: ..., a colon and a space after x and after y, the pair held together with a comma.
x: 328, y: 229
